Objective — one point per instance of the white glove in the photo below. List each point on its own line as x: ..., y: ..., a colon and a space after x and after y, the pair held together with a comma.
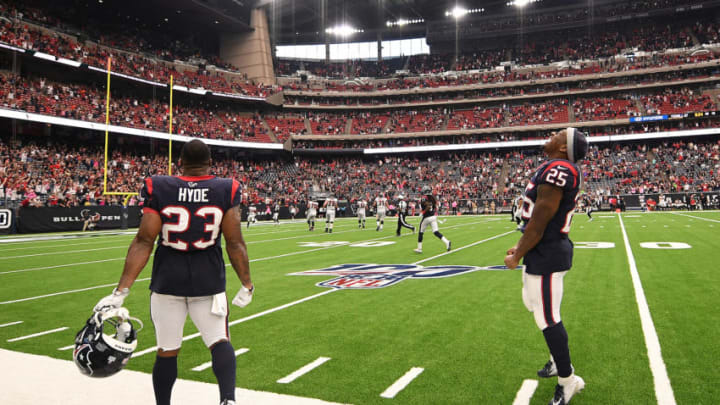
x: 243, y: 297
x: 114, y: 300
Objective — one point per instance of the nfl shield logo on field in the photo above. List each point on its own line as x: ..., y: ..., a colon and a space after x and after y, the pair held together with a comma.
x: 370, y: 276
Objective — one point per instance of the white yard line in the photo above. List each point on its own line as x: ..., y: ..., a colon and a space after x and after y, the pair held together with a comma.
x: 208, y: 364
x: 694, y: 217
x: 466, y: 246
x: 60, y: 266
x: 247, y: 318
x: 663, y: 389
x: 401, y: 383
x: 35, y: 246
x: 527, y: 389
x: 303, y: 370
x: 33, y: 239
x: 66, y: 348
x: 66, y: 292
x: 11, y: 324
x: 47, y: 332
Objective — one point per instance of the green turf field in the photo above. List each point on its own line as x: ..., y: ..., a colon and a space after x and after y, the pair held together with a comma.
x: 470, y: 333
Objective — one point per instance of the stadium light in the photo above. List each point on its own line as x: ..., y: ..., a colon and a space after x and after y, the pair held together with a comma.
x: 343, y: 30
x: 402, y: 22
x: 521, y: 3
x: 458, y: 12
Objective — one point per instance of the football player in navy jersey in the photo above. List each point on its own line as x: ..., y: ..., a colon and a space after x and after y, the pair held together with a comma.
x: 188, y: 213
x: 547, y: 210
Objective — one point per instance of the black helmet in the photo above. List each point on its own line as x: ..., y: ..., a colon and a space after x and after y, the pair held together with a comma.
x: 98, y: 354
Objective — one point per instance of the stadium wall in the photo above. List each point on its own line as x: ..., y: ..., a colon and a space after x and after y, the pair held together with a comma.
x: 252, y: 51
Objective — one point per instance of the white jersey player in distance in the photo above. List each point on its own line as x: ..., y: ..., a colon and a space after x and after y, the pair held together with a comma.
x: 361, y: 208
x: 381, y: 203
x: 252, y: 213
x: 312, y: 209
x: 330, y: 206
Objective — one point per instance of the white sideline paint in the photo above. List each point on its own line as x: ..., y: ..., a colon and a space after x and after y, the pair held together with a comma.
x: 66, y: 292
x: 47, y: 332
x: 63, y: 253
x: 663, y: 389
x: 36, y: 246
x: 31, y: 239
x: 303, y: 370
x: 527, y: 389
x: 30, y: 379
x: 61, y: 265
x: 208, y: 364
x: 403, y: 382
x: 466, y: 246
x: 241, y: 320
x: 694, y: 217
x: 10, y: 324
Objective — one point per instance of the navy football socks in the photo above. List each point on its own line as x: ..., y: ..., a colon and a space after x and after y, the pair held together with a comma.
x: 556, y: 338
x: 164, y: 375
x: 223, y: 365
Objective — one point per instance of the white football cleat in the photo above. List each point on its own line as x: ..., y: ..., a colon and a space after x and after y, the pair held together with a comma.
x: 417, y: 250
x: 563, y: 393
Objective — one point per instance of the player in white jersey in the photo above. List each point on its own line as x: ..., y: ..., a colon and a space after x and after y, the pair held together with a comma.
x: 330, y: 206
x: 361, y: 207
x: 252, y: 213
x: 402, y: 208
x: 380, y: 208
x: 517, y: 209
x: 276, y: 213
x: 312, y: 209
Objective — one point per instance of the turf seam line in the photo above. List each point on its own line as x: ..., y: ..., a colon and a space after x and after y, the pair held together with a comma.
x: 303, y: 370
x: 402, y: 382
x: 661, y: 381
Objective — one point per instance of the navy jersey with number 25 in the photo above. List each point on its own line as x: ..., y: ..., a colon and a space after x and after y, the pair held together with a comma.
x: 554, y: 252
x: 188, y: 259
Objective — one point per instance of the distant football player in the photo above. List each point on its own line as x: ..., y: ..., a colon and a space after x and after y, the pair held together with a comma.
x: 361, y: 207
x: 330, y: 206
x: 380, y: 209
x: 293, y: 211
x: 516, y: 209
x: 276, y: 213
x: 91, y: 219
x: 312, y: 209
x: 547, y: 212
x: 588, y: 206
x: 189, y: 213
x: 429, y: 218
x: 252, y: 214
x: 402, y: 208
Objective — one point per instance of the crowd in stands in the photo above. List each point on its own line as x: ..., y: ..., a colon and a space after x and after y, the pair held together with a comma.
x: 205, y: 118
x: 57, y: 174
x: 200, y: 118
x: 128, y: 53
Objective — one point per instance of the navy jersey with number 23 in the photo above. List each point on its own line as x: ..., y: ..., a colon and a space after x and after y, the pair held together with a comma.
x: 188, y: 259
x: 555, y: 250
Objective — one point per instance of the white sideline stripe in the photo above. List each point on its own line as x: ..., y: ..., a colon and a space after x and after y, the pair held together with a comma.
x: 32, y: 239
x: 663, y: 389
x: 247, y: 318
x: 527, y: 389
x: 65, y: 292
x: 700, y: 218
x: 10, y: 324
x: 61, y: 265
x: 208, y: 364
x: 63, y: 253
x: 47, y: 332
x: 54, y: 246
x: 466, y: 246
x: 66, y: 347
x: 403, y: 382
x: 303, y: 370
